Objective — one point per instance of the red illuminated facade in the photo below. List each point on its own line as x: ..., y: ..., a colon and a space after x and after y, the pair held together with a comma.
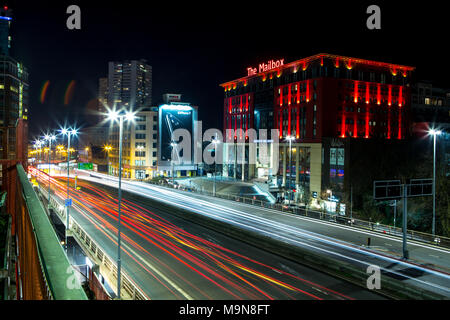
x: 330, y: 105
x: 323, y: 96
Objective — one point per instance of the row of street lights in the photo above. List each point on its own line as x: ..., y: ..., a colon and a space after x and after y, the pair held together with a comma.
x: 432, y: 132
x: 120, y: 116
x: 113, y: 116
x: 49, y: 137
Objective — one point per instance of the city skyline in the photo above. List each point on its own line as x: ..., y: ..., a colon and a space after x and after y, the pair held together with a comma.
x: 226, y: 152
x: 193, y: 60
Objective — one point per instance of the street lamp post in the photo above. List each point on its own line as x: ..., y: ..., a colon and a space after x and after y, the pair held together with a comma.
x: 174, y: 146
x: 49, y: 138
x: 107, y: 149
x: 140, y: 150
x: 113, y: 116
x: 69, y: 133
x: 290, y: 138
x: 434, y: 133
x: 215, y: 142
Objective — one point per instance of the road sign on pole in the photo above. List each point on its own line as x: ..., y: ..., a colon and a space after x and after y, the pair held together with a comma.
x: 393, y: 189
x: 68, y: 202
x: 420, y: 187
x: 387, y: 189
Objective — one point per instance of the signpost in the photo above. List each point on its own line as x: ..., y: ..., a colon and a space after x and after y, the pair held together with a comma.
x: 395, y: 190
x: 85, y: 166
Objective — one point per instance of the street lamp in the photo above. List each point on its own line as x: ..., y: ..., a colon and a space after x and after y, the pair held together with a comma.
x: 87, y: 153
x: 140, y: 150
x: 215, y: 141
x: 36, y: 148
x: 69, y: 133
x: 49, y: 138
x: 173, y: 145
x: 38, y: 143
x: 434, y: 133
x: 114, y: 116
x: 290, y: 138
x: 107, y: 148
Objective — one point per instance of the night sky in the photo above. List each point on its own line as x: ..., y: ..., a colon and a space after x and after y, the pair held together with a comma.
x: 195, y: 47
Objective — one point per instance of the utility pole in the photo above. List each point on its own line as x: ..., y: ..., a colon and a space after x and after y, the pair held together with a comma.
x: 351, y: 203
x: 405, y: 220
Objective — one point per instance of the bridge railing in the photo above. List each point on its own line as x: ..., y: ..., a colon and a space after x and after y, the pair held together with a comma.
x: 43, y: 270
x: 321, y: 215
x: 94, y: 251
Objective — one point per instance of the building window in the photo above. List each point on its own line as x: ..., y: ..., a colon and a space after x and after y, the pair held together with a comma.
x: 139, y: 162
x: 140, y: 135
x: 139, y: 153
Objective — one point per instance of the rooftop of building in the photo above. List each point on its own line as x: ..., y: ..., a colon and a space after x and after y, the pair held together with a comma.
x: 349, y: 62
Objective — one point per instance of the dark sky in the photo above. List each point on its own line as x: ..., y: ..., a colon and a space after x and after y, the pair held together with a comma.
x: 193, y: 47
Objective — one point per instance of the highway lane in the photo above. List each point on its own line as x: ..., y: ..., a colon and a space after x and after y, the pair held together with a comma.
x: 170, y: 258
x: 327, y: 238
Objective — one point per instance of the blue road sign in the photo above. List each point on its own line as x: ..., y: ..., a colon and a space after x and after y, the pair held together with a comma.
x: 68, y: 202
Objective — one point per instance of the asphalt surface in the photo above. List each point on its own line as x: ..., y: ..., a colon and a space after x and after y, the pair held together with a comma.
x: 171, y: 258
x: 425, y: 269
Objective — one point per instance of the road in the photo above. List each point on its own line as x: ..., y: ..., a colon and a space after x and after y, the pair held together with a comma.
x: 171, y: 258
x: 426, y: 268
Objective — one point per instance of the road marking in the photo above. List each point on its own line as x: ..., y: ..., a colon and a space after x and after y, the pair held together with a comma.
x: 173, y: 284
x: 276, y: 271
x: 320, y: 290
x: 432, y: 255
x: 156, y: 192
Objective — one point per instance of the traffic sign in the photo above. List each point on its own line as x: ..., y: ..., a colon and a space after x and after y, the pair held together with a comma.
x: 420, y: 187
x: 387, y: 189
x: 68, y: 202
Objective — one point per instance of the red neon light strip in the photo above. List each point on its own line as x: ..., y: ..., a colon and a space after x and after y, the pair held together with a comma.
x: 356, y: 91
x: 390, y: 95
x: 367, y: 122
x: 378, y: 94
x: 343, y: 126
x: 400, y: 96
x: 289, y: 106
x: 281, y: 123
x: 367, y: 93
x: 298, y: 122
x: 281, y: 96
x: 307, y: 91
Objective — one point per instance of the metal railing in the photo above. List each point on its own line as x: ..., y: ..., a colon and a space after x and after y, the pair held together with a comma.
x: 94, y: 251
x: 321, y: 215
x: 43, y: 270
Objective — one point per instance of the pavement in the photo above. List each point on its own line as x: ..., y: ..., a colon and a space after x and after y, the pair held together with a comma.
x: 171, y: 258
